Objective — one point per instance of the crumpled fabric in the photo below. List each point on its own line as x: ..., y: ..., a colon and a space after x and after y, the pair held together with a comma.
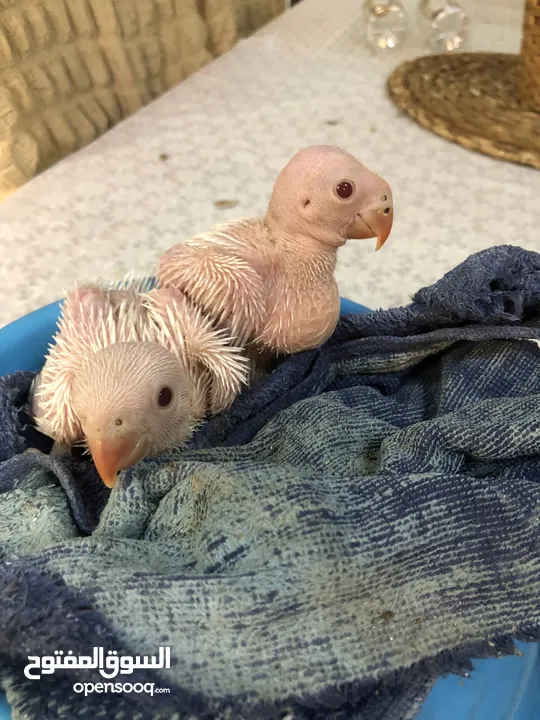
x: 365, y: 520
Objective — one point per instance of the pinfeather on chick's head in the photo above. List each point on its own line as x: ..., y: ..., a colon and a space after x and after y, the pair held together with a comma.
x: 327, y: 194
x: 132, y: 399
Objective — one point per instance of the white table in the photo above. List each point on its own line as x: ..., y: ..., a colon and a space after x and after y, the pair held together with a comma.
x: 227, y: 131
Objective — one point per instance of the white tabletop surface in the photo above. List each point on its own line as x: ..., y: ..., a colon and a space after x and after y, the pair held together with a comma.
x: 115, y: 206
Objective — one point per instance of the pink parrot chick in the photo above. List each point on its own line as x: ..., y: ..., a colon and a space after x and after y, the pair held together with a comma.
x: 132, y: 374
x: 270, y: 281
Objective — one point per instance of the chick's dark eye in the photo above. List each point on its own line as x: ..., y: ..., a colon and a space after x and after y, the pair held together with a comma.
x: 165, y: 397
x: 344, y: 189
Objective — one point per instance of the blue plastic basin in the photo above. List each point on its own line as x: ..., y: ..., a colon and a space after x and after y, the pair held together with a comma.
x: 506, y: 689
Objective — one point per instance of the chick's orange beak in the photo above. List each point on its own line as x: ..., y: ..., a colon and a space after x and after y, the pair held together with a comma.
x: 372, y: 223
x: 112, y: 454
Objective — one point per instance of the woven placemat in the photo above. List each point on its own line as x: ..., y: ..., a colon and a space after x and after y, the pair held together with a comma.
x: 471, y: 99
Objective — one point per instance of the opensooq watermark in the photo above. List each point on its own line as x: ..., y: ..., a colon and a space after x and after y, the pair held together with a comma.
x: 109, y: 667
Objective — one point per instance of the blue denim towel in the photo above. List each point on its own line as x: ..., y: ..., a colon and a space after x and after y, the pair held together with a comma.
x: 364, y: 520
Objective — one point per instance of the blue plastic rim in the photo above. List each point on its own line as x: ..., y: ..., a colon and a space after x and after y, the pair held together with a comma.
x: 24, y: 343
x: 506, y: 689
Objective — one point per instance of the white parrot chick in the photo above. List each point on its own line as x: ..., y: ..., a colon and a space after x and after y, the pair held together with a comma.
x: 270, y: 280
x: 132, y: 374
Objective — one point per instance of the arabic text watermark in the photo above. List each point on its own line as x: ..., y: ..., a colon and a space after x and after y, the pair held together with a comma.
x: 109, y: 667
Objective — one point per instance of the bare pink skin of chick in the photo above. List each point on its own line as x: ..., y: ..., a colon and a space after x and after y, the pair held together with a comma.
x: 271, y: 280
